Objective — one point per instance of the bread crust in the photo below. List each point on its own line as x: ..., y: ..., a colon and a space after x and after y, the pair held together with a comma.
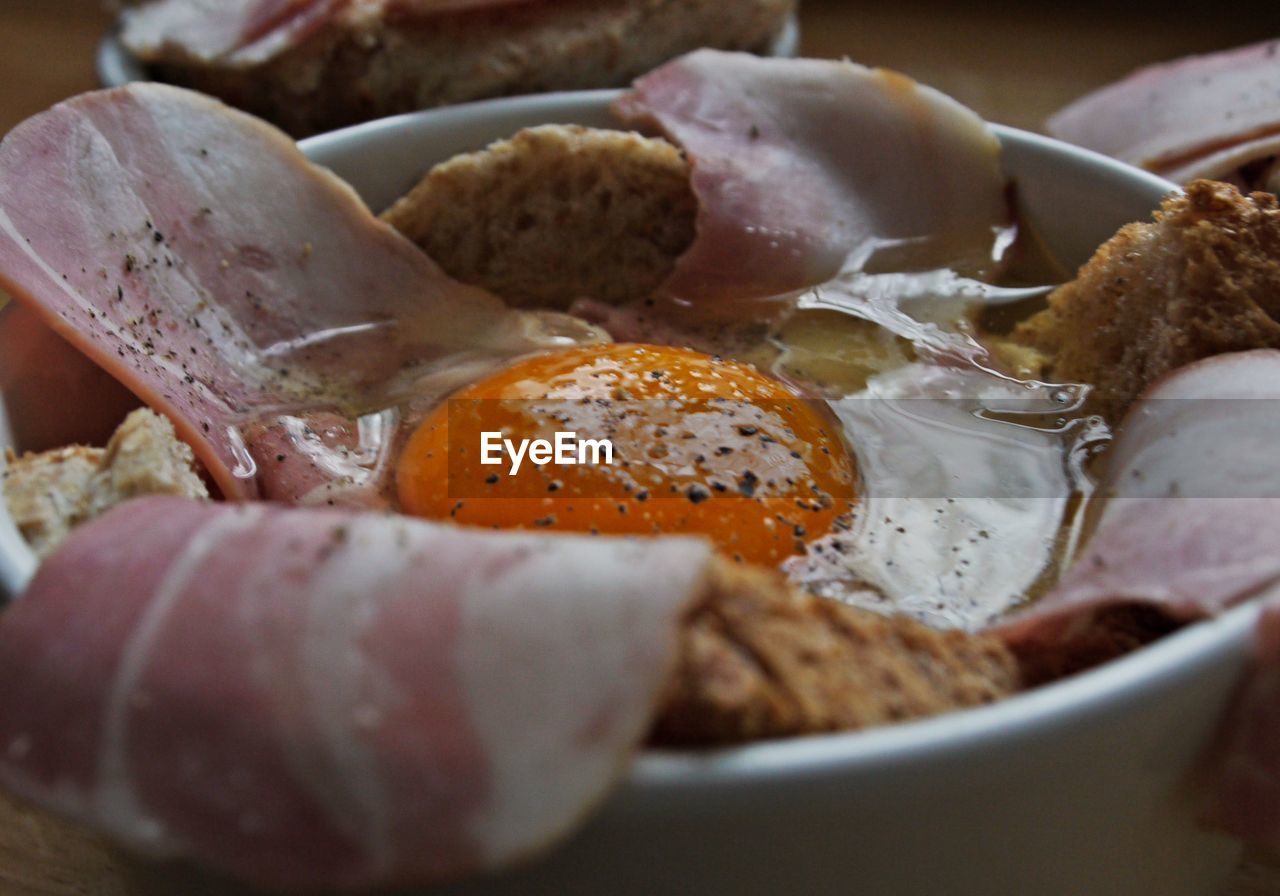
x: 761, y: 659
x: 43, y: 492
x: 367, y: 62
x: 554, y: 214
x: 51, y: 492
x: 1201, y: 279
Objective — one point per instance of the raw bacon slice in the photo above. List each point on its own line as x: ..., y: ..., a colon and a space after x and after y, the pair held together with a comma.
x: 799, y: 164
x: 36, y: 367
x: 309, y: 698
x: 1194, y: 514
x: 193, y: 252
x: 1201, y: 116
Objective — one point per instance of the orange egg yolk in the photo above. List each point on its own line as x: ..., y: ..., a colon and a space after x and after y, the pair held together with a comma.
x: 699, y: 445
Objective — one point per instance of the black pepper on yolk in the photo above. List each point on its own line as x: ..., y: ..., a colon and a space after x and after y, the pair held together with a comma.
x: 700, y: 445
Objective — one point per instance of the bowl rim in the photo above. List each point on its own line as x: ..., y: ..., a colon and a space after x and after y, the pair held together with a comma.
x: 1031, y: 714
x: 1027, y: 715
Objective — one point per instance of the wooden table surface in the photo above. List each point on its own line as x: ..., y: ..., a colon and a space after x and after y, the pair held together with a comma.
x: 1013, y: 63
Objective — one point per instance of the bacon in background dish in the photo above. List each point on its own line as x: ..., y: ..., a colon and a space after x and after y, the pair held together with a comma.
x: 249, y: 32
x: 1215, y: 116
x: 315, y: 65
x: 240, y: 31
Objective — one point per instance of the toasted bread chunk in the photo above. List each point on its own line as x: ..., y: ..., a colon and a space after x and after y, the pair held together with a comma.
x: 51, y: 492
x: 1107, y: 635
x: 760, y: 659
x: 371, y: 58
x: 144, y: 457
x: 556, y: 213
x: 44, y: 492
x: 1202, y: 278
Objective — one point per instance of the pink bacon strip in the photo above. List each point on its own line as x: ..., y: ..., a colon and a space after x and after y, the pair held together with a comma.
x: 1194, y: 512
x: 799, y: 164
x: 308, y: 698
x: 35, y: 366
x: 193, y: 253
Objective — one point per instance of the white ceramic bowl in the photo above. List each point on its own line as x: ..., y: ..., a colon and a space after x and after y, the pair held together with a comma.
x: 1077, y: 789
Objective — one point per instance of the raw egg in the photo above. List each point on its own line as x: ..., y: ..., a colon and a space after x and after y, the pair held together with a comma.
x: 695, y: 444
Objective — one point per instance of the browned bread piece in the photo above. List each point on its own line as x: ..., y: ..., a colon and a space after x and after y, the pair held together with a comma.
x: 556, y: 213
x: 44, y: 491
x: 1055, y: 652
x: 760, y: 659
x: 50, y: 492
x: 1202, y: 278
x: 375, y: 58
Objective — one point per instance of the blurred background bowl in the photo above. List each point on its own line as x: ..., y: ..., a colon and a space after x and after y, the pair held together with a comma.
x: 115, y: 65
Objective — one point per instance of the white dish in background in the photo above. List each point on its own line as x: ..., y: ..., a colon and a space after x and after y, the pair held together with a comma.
x: 1076, y: 789
x: 116, y: 66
